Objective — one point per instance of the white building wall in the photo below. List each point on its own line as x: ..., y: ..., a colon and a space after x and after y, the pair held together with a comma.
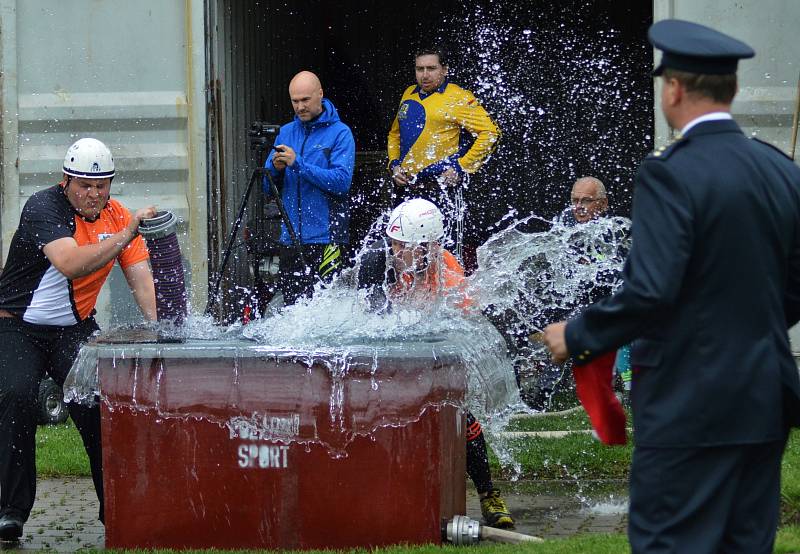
x: 131, y: 74
x: 768, y: 83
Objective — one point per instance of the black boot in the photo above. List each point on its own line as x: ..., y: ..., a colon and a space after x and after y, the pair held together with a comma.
x: 10, y: 528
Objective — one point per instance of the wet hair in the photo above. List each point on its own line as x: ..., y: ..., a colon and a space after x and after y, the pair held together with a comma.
x: 719, y: 88
x: 433, y: 50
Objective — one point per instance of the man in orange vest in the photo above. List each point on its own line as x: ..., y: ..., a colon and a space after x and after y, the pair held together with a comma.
x: 413, y: 267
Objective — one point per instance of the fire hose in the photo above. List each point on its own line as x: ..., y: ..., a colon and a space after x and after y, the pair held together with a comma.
x: 463, y: 531
x: 165, y: 261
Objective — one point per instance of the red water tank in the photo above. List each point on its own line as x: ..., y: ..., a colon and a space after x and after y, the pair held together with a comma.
x: 246, y: 448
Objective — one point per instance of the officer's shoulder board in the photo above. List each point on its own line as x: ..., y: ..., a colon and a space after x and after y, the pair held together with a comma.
x: 664, y: 152
x: 781, y: 152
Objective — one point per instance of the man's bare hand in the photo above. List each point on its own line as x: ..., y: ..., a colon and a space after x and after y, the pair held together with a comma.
x: 556, y: 342
x: 283, y: 156
x: 400, y: 177
x: 144, y: 213
x: 450, y: 177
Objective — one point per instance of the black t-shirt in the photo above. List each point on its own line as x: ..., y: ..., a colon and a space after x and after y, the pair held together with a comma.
x: 47, y: 216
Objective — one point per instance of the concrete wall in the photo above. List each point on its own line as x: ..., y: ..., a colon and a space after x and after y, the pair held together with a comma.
x: 768, y: 83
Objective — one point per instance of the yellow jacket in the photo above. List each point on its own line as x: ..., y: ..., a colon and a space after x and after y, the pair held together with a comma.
x: 426, y: 134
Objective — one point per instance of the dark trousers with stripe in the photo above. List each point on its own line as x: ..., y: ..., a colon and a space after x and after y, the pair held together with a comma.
x: 27, y: 353
x: 477, y: 456
x: 296, y: 280
x: 722, y: 499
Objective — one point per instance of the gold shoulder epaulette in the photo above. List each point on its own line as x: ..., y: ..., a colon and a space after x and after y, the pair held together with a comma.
x: 664, y: 151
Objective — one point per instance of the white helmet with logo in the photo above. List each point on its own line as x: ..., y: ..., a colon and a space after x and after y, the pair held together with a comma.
x: 90, y: 158
x: 417, y: 221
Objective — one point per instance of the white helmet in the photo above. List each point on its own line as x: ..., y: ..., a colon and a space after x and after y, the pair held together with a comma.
x: 88, y: 157
x: 416, y: 220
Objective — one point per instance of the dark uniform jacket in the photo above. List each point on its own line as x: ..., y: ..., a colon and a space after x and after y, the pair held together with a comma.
x: 711, y: 284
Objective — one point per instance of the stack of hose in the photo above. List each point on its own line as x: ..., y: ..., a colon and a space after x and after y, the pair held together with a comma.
x: 165, y: 260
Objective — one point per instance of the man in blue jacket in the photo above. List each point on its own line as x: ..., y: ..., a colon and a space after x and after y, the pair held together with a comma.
x: 312, y: 162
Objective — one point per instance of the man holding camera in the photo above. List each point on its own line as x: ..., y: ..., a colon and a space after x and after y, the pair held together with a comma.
x: 312, y: 163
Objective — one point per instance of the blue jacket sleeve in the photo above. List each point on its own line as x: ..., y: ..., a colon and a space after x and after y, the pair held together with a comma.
x: 662, y: 244
x: 335, y: 179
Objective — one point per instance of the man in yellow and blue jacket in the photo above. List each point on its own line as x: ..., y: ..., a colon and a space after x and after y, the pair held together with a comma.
x: 440, y: 133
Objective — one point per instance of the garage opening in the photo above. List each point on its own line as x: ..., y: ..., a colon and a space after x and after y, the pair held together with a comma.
x: 568, y: 83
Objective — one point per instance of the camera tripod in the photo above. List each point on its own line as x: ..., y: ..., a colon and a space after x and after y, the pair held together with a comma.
x: 261, y: 136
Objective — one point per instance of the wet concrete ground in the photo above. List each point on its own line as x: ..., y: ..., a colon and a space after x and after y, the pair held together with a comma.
x: 64, y: 518
x: 557, y: 510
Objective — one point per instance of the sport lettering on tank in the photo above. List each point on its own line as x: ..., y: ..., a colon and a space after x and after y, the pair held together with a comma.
x: 263, y: 456
x: 259, y: 431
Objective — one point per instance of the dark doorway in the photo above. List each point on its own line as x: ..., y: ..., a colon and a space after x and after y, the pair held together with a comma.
x: 568, y: 82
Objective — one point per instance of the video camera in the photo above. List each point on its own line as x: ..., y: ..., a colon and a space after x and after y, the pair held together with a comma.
x: 261, y: 237
x: 260, y: 134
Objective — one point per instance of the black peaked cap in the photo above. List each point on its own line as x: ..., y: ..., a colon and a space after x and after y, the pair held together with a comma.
x: 695, y: 48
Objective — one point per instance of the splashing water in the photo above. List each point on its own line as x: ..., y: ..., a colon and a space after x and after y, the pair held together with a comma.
x: 611, y: 506
x: 565, y: 86
x: 526, y: 277
x: 527, y: 280
x: 339, y: 315
x: 532, y: 279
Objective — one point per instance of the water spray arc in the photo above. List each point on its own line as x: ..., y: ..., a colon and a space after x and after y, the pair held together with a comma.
x: 165, y: 260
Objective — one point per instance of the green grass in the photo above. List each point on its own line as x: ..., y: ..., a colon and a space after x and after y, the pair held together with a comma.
x: 577, y: 456
x: 59, y: 451
x: 788, y: 541
x: 576, y: 420
x: 584, y: 457
x: 596, y: 544
x: 575, y: 461
x: 790, y: 480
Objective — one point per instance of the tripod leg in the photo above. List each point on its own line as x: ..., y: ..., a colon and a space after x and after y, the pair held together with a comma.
x: 213, y: 295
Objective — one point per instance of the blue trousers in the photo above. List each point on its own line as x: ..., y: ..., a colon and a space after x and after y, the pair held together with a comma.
x: 723, y: 499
